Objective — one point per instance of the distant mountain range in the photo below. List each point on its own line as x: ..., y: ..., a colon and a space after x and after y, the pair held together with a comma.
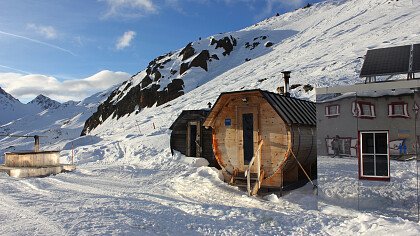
x: 59, y: 122
x: 11, y: 108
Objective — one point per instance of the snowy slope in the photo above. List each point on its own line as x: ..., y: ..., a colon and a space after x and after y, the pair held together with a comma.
x: 127, y: 182
x: 322, y: 45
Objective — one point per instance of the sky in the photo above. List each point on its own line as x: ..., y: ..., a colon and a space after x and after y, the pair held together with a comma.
x: 71, y: 49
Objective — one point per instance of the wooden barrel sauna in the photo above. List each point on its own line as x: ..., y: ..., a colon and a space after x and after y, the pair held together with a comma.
x: 285, y: 125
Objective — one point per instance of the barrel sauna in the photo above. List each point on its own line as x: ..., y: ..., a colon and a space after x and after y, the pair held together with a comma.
x: 279, y: 129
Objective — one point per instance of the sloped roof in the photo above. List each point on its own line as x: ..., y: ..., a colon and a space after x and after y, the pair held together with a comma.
x: 189, y: 115
x: 291, y: 110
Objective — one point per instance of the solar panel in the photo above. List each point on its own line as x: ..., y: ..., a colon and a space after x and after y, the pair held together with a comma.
x: 386, y: 61
x: 416, y: 58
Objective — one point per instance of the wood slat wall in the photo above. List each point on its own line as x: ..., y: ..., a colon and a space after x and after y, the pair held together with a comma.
x: 277, y: 135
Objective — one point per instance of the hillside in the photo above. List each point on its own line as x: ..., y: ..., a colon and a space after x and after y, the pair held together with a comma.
x: 322, y: 45
x: 128, y: 183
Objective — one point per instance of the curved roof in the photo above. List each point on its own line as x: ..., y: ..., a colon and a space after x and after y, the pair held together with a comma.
x: 291, y: 110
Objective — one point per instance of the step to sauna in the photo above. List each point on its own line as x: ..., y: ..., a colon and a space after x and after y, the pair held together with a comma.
x: 25, y: 172
x: 240, y: 179
x: 243, y: 182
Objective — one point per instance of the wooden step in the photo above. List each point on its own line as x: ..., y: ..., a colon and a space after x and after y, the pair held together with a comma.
x: 243, y: 183
x: 241, y: 175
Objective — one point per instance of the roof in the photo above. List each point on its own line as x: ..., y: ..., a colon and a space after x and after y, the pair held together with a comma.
x: 291, y: 110
x: 194, y: 114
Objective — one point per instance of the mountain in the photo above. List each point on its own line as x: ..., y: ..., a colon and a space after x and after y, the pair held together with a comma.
x: 10, y: 107
x: 44, y: 102
x: 322, y: 45
x: 60, y: 123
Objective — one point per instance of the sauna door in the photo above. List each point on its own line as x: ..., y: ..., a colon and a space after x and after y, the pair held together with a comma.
x: 193, y: 139
x: 247, y: 134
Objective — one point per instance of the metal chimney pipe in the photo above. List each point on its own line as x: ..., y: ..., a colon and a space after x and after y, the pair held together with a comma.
x: 36, y: 148
x: 286, y: 77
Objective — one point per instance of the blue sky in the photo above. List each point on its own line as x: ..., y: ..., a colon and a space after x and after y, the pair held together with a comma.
x: 61, y: 40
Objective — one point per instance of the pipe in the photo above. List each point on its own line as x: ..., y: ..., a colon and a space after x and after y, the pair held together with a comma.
x: 286, y: 77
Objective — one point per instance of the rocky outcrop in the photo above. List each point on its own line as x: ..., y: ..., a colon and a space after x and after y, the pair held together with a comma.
x: 147, y: 93
x: 227, y: 43
x: 187, y: 52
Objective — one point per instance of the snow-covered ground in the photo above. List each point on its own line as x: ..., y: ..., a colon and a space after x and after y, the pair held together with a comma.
x: 127, y: 182
x: 340, y: 185
x: 142, y: 190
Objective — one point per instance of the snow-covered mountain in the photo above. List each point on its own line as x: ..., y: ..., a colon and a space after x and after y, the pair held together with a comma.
x: 322, y: 45
x: 59, y: 122
x: 10, y: 107
x: 44, y: 102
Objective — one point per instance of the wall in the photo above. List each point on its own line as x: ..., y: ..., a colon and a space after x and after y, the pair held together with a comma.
x: 338, y: 176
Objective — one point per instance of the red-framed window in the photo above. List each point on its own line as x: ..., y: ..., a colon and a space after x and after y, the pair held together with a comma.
x: 398, y: 109
x: 374, y: 158
x: 332, y: 110
x: 363, y: 109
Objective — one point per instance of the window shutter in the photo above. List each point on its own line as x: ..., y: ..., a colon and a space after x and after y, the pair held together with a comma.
x: 326, y: 111
x: 405, y: 109
x: 372, y: 110
x: 353, y: 109
x: 390, y: 110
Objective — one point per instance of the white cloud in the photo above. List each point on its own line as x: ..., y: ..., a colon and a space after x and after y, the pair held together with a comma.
x: 129, y: 8
x: 125, y: 40
x: 27, y: 87
x: 46, y: 31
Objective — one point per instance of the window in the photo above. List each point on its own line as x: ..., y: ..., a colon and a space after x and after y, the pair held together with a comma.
x: 332, y: 110
x: 363, y: 109
x: 374, y: 155
x: 398, y: 109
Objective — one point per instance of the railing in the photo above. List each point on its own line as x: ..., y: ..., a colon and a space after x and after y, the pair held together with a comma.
x: 257, y: 157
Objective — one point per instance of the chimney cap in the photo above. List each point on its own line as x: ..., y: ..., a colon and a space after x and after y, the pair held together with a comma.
x: 286, y: 72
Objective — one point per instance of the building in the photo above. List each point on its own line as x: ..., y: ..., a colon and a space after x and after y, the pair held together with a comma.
x: 368, y: 136
x: 190, y: 138
x: 263, y: 139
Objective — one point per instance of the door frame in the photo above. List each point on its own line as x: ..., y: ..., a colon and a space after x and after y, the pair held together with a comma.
x: 240, y: 110
x: 198, y: 139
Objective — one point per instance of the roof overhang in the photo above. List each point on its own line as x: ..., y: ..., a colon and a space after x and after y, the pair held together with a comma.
x: 397, y: 84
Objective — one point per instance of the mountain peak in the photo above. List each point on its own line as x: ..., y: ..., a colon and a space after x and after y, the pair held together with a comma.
x: 44, y: 102
x: 7, y: 95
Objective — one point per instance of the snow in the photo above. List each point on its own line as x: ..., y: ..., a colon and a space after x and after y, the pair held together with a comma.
x: 128, y: 183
